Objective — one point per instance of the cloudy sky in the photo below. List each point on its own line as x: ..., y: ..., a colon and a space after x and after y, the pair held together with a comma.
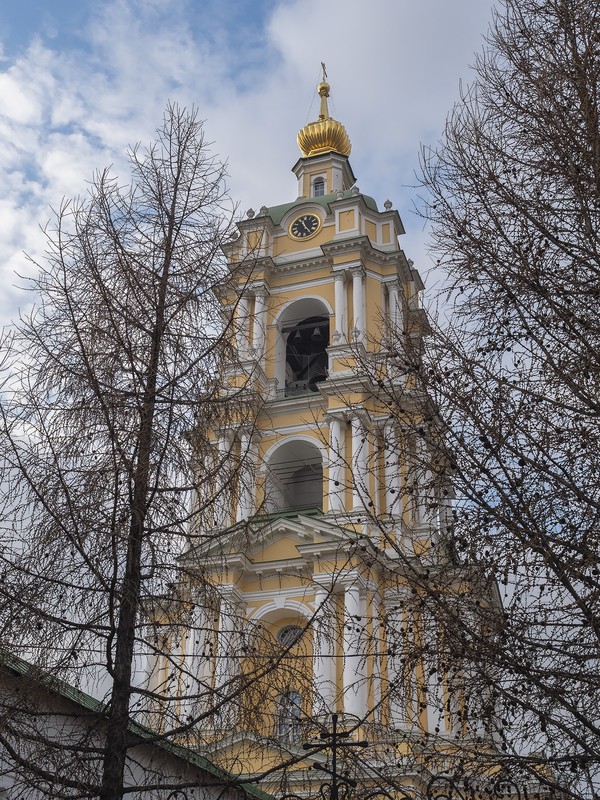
x: 82, y: 79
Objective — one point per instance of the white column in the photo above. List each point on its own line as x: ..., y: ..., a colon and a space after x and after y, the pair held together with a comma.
x: 393, y: 499
x: 199, y: 659
x: 228, y: 654
x: 377, y: 477
x: 424, y: 490
x: 360, y: 452
x: 245, y: 504
x: 336, y: 465
x: 354, y: 671
x: 222, y: 507
x: 157, y: 679
x: 358, y: 303
x: 224, y: 443
x: 413, y: 296
x: 339, y: 286
x: 259, y: 328
x: 243, y: 319
x: 413, y: 474
x: 364, y: 311
x: 324, y: 683
x: 224, y: 663
x: 436, y: 712
x: 395, y: 309
x: 456, y: 702
x: 444, y: 516
x: 176, y: 683
x: 378, y: 650
x: 395, y: 666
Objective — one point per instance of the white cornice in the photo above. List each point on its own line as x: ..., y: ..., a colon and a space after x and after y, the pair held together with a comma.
x: 317, y: 550
x: 289, y: 566
x: 309, y: 261
x: 247, y: 265
x: 306, y: 284
x: 304, y: 402
x: 336, y: 159
x: 230, y: 592
x: 294, y: 591
x: 346, y: 381
x: 310, y: 428
x: 249, y: 368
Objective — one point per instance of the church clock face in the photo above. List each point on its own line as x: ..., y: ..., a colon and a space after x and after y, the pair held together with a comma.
x: 305, y: 226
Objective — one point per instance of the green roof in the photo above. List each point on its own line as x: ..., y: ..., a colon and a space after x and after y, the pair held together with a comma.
x: 289, y: 514
x: 277, y: 213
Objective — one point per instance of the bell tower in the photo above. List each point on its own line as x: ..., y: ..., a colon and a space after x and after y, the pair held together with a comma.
x: 304, y: 611
x: 329, y: 285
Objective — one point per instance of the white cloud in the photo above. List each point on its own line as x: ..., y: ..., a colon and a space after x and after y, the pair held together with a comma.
x: 394, y: 68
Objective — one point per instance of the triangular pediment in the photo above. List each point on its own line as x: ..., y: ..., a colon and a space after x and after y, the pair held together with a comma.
x: 300, y: 530
x: 242, y: 750
x: 281, y: 539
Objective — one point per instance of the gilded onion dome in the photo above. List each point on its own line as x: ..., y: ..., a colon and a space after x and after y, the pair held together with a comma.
x: 325, y: 134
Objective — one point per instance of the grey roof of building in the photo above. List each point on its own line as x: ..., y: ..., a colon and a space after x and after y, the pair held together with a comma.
x: 146, y: 735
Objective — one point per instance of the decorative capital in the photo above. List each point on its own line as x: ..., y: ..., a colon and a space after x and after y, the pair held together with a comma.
x: 260, y: 291
x: 231, y: 594
x: 357, y: 271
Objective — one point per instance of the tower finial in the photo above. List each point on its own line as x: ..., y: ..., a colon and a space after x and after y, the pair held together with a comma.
x: 323, y: 90
x: 324, y: 135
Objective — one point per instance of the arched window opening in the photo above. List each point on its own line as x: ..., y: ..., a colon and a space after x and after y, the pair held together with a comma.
x: 318, y: 187
x: 288, y: 714
x: 306, y: 357
x: 301, y: 359
x: 289, y: 635
x: 295, y: 478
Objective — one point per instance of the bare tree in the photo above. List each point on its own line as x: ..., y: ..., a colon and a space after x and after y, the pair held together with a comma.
x: 110, y: 390
x: 512, y: 384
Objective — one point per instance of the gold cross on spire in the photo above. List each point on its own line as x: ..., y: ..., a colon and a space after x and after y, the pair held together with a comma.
x: 323, y: 90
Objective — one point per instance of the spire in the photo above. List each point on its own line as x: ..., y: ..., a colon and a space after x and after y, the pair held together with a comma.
x: 325, y: 135
x: 323, y: 89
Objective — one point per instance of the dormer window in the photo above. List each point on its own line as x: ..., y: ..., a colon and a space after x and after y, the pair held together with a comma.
x: 318, y: 187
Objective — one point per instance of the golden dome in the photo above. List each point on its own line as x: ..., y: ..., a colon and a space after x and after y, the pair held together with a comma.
x: 325, y: 134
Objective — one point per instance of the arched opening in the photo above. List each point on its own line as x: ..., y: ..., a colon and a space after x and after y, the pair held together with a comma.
x: 318, y: 187
x: 294, y: 478
x: 301, y: 356
x: 306, y: 357
x: 281, y: 637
